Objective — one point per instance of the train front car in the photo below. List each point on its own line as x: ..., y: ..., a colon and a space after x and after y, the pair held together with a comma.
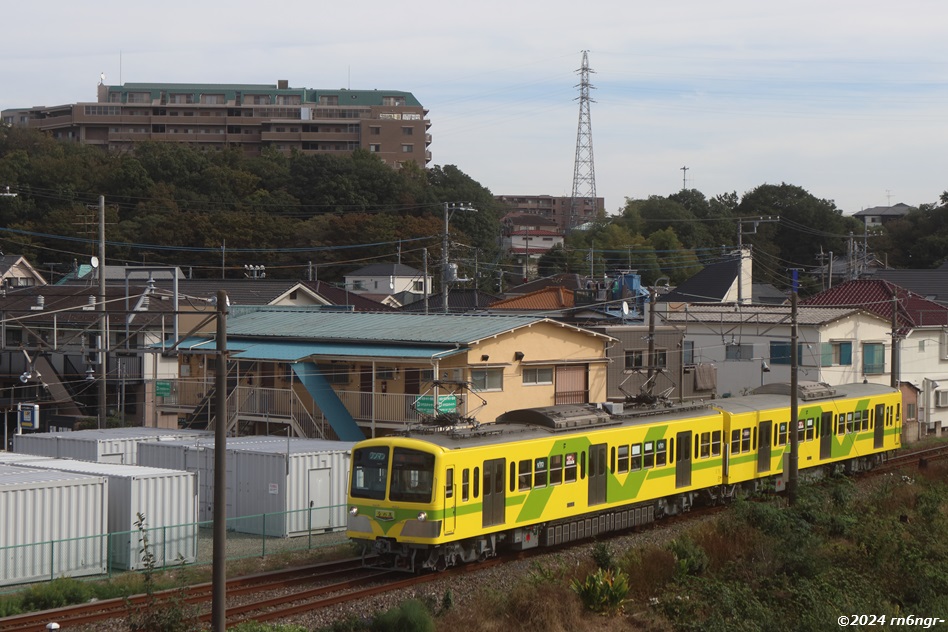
x: 395, y: 510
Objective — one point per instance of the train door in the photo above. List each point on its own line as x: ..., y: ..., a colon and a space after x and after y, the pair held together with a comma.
x: 597, y: 474
x: 683, y: 460
x: 826, y: 436
x: 879, y: 430
x: 494, y: 501
x: 763, y: 445
x: 450, y: 502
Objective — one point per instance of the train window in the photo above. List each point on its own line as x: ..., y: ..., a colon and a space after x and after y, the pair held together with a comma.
x: 782, y: 433
x: 369, y: 473
x: 539, y: 473
x: 716, y: 443
x: 526, y: 476
x: 412, y: 476
x: 513, y: 475
x: 636, y: 457
x: 556, y: 469
x: 801, y: 430
x: 735, y: 442
x: 465, y: 483
x: 477, y: 481
x: 661, y: 453
x: 810, y: 429
x: 850, y: 423
x: 754, y: 444
x: 582, y: 465
x: 865, y: 420
x: 623, y: 458
x: 649, y: 460
x: 704, y: 451
x: 898, y: 412
x: 888, y: 415
x: 570, y: 473
x: 449, y: 483
x: 696, y: 445
x: 746, y: 440
x: 612, y: 460
x: 841, y: 424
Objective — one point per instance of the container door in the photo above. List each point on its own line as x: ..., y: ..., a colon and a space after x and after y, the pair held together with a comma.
x: 494, y: 500
x: 597, y: 474
x: 320, y: 499
x: 763, y: 446
x: 683, y: 460
x: 879, y: 431
x: 450, y: 501
x: 826, y: 436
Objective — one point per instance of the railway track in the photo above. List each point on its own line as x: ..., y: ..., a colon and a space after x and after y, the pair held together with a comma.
x: 323, y: 585
x: 197, y: 596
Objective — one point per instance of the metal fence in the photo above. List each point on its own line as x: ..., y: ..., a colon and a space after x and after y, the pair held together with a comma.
x: 103, y: 555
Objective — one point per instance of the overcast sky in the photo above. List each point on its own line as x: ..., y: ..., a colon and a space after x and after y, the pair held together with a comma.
x: 846, y: 99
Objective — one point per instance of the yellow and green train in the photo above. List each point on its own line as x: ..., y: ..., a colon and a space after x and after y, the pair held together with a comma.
x: 437, y: 497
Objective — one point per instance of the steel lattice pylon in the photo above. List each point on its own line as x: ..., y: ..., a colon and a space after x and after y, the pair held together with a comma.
x: 584, y: 168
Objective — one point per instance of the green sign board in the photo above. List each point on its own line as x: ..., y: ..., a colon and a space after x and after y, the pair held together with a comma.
x: 446, y: 404
x: 162, y: 388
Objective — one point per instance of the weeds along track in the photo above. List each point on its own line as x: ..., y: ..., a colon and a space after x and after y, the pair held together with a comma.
x: 197, y: 596
x: 915, y: 459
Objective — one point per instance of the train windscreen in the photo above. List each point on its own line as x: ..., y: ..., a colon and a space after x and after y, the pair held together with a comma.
x: 369, y: 472
x: 412, y: 476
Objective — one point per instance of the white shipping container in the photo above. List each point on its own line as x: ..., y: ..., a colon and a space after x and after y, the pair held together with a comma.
x: 52, y: 524
x: 167, y: 499
x: 196, y: 455
x: 112, y: 445
x: 287, y: 487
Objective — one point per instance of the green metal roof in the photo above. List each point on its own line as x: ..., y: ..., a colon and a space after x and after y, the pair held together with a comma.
x: 386, y: 328
x: 299, y: 351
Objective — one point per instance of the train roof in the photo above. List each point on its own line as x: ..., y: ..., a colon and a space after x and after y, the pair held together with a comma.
x: 565, y: 419
x: 777, y: 395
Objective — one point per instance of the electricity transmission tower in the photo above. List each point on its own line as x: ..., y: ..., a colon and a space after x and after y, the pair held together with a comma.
x: 584, y: 169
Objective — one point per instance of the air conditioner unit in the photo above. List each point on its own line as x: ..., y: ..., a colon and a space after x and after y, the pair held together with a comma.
x: 941, y: 399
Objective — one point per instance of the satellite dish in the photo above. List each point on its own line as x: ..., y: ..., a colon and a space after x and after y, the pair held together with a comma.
x: 625, y: 308
x: 94, y: 262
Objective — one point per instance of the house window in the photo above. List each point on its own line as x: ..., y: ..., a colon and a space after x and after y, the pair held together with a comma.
x: 661, y: 359
x: 329, y: 99
x: 873, y: 358
x: 739, y: 352
x: 487, y: 379
x: 780, y: 353
x: 634, y: 359
x: 14, y: 337
x: 407, y: 149
x: 538, y: 375
x: 375, y: 130
x: 375, y: 148
x: 836, y: 353
x: 335, y: 373
x: 407, y: 131
x: 385, y: 373
x: 418, y: 286
x: 688, y: 352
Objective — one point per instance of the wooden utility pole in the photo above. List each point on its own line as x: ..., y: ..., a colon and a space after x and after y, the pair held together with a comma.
x: 794, y: 414
x: 103, y: 321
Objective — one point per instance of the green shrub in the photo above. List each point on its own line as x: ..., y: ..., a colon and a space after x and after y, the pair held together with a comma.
x: 409, y: 616
x: 602, y: 556
x: 64, y: 591
x: 691, y: 558
x: 604, y: 591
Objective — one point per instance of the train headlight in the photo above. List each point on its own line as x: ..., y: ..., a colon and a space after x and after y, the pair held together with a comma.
x: 353, y: 511
x: 422, y: 516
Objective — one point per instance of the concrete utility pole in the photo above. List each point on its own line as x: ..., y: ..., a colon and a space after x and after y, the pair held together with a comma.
x: 219, y: 571
x: 103, y: 320
x: 446, y: 277
x: 794, y: 413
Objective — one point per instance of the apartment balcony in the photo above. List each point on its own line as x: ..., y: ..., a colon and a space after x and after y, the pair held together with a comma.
x: 285, y: 406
